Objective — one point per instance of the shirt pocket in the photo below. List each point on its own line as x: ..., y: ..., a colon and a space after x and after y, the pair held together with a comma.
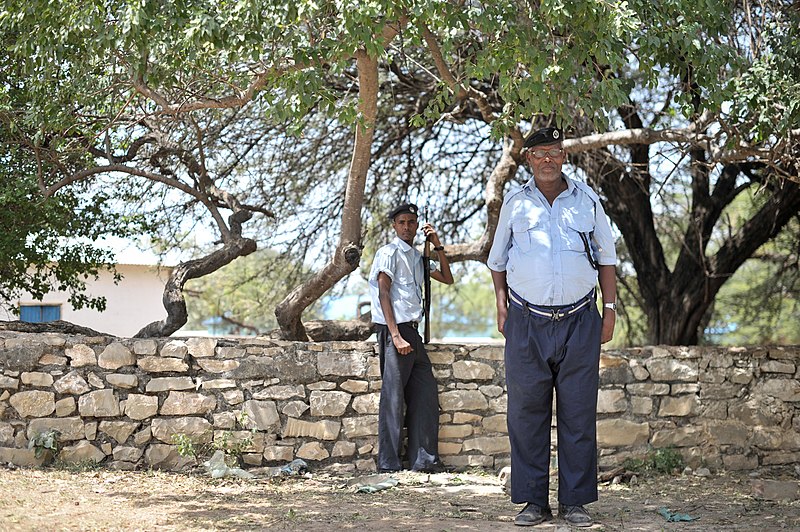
x: 404, y: 277
x: 577, y: 222
x: 523, y: 229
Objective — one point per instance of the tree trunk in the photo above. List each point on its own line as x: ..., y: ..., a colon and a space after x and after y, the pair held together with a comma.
x: 348, y: 253
x: 676, y: 303
x: 173, y: 299
x: 503, y: 172
x: 58, y: 326
x: 676, y: 318
x: 339, y: 330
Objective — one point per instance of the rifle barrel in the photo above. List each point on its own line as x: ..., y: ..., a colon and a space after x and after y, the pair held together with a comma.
x: 426, y: 303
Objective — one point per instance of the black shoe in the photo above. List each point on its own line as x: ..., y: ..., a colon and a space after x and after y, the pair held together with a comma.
x: 575, y: 515
x: 436, y: 467
x: 533, y: 515
x: 384, y: 470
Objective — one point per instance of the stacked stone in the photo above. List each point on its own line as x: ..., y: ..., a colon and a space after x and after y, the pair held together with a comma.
x: 721, y: 408
x: 473, y: 404
x: 123, y: 401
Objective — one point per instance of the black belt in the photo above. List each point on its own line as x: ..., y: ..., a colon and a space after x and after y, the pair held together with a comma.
x: 554, y: 313
x: 414, y: 324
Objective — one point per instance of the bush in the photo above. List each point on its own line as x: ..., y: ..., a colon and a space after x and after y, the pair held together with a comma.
x: 44, y: 442
x: 660, y: 461
x: 225, y: 442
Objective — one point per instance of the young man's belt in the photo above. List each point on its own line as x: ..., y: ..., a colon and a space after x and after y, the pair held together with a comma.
x: 554, y: 313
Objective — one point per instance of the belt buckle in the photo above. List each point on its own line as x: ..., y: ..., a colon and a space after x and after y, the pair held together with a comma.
x: 556, y: 316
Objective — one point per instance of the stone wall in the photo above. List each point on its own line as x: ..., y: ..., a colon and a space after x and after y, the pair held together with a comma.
x: 123, y: 401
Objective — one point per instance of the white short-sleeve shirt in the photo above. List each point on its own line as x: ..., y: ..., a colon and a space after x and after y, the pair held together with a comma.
x: 404, y: 266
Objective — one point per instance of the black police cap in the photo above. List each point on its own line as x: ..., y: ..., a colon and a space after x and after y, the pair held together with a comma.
x: 409, y: 208
x: 548, y: 135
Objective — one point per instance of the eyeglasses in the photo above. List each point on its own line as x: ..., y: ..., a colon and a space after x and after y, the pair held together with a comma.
x: 552, y: 153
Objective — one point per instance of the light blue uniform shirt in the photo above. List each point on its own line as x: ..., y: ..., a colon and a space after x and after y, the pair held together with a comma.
x: 403, y: 264
x: 540, y: 248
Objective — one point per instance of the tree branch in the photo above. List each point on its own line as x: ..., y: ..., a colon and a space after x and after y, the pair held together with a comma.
x: 225, y: 102
x: 89, y: 172
x: 687, y: 135
x: 461, y: 91
x: 243, y: 96
x: 767, y: 223
x: 502, y: 173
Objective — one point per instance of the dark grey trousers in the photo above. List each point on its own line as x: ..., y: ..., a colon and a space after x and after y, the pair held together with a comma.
x: 408, y: 394
x: 541, y: 355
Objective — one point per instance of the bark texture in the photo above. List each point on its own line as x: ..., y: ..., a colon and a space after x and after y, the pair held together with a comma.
x: 347, y: 255
x: 677, y: 301
x: 173, y: 299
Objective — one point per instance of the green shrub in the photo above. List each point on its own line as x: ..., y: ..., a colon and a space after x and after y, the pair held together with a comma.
x: 660, y: 461
x: 45, y: 441
x: 233, y: 449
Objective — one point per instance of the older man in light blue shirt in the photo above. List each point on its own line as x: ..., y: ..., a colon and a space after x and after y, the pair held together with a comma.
x: 540, y: 247
x: 408, y: 391
x: 552, y: 245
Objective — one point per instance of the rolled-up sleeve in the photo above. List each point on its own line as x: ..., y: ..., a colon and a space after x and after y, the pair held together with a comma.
x: 498, y: 254
x: 603, y: 239
x: 384, y: 262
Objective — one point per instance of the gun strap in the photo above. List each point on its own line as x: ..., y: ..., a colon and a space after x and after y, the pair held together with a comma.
x: 588, y: 248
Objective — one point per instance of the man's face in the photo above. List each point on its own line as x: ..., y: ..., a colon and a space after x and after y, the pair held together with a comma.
x: 405, y: 225
x: 546, y: 161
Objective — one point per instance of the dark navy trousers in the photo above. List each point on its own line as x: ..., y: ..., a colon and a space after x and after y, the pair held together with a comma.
x: 409, y: 396
x: 542, y: 355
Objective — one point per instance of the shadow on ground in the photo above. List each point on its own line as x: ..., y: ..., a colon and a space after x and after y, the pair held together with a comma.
x: 45, y: 499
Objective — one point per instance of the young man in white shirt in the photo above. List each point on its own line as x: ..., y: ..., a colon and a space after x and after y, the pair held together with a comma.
x: 409, y: 392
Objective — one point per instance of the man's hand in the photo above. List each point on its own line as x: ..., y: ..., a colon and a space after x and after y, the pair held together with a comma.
x: 384, y: 288
x: 501, y: 299
x: 430, y: 233
x: 609, y: 320
x: 502, y: 314
x: 401, y: 345
x: 443, y: 274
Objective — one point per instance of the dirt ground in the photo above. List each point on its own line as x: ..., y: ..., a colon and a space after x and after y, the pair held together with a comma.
x: 99, y: 499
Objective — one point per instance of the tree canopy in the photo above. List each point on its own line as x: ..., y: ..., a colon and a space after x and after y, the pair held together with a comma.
x: 250, y: 114
x: 49, y: 244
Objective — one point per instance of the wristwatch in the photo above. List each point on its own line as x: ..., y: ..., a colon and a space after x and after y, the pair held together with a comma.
x: 610, y: 306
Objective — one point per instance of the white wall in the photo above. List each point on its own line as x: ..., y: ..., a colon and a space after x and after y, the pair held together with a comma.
x: 130, y: 305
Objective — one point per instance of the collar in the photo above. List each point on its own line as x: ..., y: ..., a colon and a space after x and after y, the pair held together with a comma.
x: 530, y: 186
x: 401, y: 244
